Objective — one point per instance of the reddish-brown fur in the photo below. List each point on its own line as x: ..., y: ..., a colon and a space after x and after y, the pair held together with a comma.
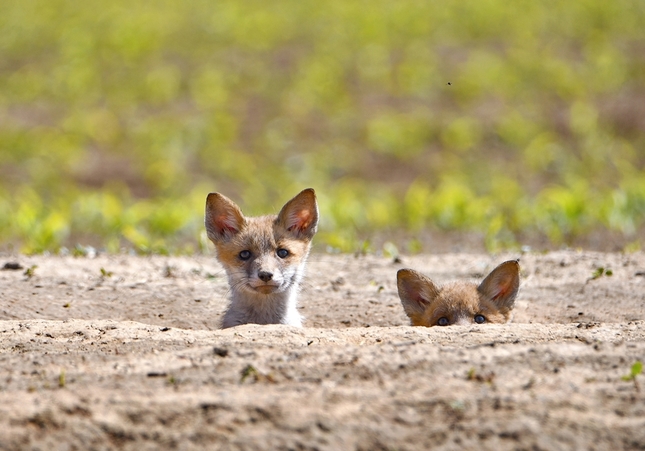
x: 264, y: 257
x: 261, y: 235
x: 427, y: 304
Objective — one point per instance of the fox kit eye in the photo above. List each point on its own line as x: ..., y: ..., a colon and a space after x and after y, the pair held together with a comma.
x: 480, y: 319
x: 443, y: 321
x: 245, y: 255
x: 283, y: 253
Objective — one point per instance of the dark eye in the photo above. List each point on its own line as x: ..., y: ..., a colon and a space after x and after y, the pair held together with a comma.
x: 245, y: 255
x: 443, y: 321
x: 283, y: 253
x: 480, y: 319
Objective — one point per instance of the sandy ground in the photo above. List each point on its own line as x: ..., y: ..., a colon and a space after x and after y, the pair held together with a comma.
x: 124, y: 352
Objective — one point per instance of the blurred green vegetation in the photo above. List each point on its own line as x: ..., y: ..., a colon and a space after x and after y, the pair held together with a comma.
x: 518, y: 121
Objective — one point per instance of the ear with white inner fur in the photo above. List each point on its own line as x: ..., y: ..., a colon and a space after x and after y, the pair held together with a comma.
x: 223, y: 218
x: 502, y: 284
x: 416, y: 291
x: 300, y: 215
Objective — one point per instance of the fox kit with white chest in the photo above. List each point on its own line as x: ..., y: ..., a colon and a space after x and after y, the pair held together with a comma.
x: 427, y: 304
x: 264, y: 257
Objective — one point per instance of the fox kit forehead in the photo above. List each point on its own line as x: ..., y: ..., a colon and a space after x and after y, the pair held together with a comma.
x: 457, y: 296
x: 264, y: 234
x: 258, y: 232
x: 461, y: 301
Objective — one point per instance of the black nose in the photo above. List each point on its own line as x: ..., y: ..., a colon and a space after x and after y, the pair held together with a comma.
x: 265, y: 276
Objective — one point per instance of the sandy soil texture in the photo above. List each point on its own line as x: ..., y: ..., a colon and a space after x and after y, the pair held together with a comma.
x: 124, y: 352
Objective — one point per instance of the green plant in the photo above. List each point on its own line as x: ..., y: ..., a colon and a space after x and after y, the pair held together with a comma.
x: 599, y: 272
x: 31, y: 271
x: 636, y: 370
x: 490, y: 118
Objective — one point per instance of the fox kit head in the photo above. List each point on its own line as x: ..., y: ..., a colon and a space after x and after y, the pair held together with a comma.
x: 459, y: 302
x: 263, y: 254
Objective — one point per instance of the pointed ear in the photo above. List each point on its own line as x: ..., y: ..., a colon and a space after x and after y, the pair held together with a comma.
x: 502, y: 284
x: 223, y: 219
x: 416, y: 291
x: 300, y: 215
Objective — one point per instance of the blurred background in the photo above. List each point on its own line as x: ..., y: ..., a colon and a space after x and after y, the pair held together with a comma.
x: 423, y: 126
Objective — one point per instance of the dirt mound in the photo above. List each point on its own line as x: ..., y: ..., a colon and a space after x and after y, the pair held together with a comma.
x: 123, y: 352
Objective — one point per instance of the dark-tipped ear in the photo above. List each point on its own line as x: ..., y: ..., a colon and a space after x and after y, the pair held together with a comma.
x: 223, y: 218
x: 300, y: 215
x: 416, y: 291
x: 502, y: 284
